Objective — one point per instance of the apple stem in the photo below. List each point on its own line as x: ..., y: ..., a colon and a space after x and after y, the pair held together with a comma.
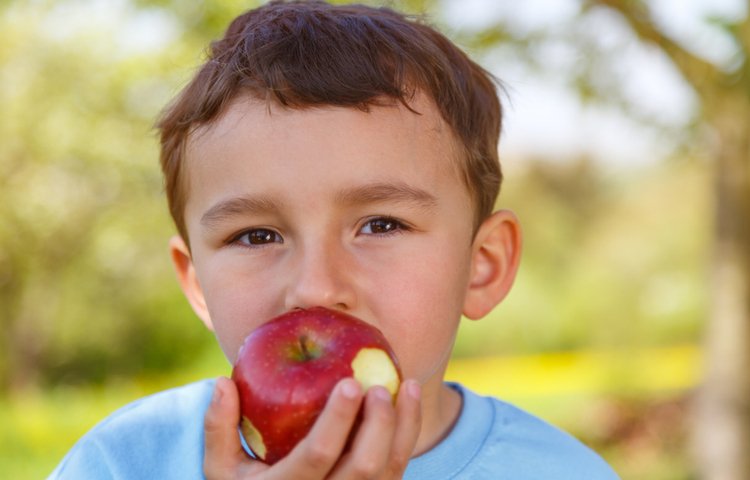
x: 308, y: 349
x: 306, y: 354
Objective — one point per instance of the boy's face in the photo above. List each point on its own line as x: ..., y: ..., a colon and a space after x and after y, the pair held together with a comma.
x: 359, y: 211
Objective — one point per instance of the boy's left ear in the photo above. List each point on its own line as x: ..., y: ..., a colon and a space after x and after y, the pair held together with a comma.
x: 496, y: 253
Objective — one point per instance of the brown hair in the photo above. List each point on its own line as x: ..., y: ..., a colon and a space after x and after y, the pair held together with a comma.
x: 307, y: 53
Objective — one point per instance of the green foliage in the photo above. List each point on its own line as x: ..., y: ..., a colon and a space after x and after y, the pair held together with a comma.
x: 610, y: 259
x: 87, y: 295
x: 86, y: 289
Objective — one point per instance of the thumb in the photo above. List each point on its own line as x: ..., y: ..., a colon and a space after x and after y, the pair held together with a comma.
x: 223, y: 450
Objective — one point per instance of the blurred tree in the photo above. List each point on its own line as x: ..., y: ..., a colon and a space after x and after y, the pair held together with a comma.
x: 81, y: 207
x: 84, y: 278
x: 723, y: 410
x: 719, y: 77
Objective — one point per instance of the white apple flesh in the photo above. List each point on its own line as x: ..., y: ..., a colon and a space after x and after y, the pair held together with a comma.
x: 287, y: 368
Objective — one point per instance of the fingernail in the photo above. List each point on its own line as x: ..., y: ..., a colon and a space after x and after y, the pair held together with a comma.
x: 350, y: 389
x: 382, y: 394
x: 413, y: 389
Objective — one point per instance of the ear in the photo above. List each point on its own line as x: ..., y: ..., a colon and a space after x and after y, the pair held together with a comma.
x: 496, y: 253
x: 183, y: 264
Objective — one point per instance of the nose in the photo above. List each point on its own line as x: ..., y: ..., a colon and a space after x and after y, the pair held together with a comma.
x: 321, y: 276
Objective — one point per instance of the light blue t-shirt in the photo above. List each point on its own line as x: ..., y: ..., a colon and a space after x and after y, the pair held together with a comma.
x: 161, y: 437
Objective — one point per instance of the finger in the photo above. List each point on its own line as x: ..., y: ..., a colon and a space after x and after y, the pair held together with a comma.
x: 318, y: 452
x: 408, y: 427
x: 223, y: 451
x: 372, y: 445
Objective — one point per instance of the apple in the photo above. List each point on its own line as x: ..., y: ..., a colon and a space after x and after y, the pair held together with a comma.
x: 287, y: 368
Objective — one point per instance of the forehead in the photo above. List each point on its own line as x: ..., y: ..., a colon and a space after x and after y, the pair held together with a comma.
x: 420, y: 116
x: 262, y: 141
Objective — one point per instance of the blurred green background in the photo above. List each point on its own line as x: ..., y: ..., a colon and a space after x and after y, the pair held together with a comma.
x: 602, y: 333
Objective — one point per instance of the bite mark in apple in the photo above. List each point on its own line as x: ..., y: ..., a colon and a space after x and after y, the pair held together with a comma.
x: 287, y: 368
x: 253, y: 438
x: 373, y: 366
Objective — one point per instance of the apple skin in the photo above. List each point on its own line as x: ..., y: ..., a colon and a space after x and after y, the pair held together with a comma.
x: 287, y: 368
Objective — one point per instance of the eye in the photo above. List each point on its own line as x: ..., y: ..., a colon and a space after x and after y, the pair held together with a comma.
x: 382, y: 226
x: 258, y: 237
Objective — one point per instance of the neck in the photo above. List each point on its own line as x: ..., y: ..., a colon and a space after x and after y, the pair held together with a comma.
x: 441, y: 406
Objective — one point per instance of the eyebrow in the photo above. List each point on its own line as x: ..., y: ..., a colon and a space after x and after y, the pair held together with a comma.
x: 361, y: 195
x: 236, y: 206
x: 386, y: 192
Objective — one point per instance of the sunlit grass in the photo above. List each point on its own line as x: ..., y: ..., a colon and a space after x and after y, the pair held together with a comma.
x: 39, y: 427
x: 580, y: 373
x: 564, y: 388
x: 629, y: 405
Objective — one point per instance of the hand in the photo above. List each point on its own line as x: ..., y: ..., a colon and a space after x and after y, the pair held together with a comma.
x: 380, y: 450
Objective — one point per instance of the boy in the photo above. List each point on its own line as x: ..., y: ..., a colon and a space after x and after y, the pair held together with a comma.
x: 343, y: 157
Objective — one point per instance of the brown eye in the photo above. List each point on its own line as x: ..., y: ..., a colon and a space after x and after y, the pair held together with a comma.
x: 382, y: 226
x: 259, y: 236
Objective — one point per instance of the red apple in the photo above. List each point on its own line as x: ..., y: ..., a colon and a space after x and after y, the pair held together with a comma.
x: 288, y: 366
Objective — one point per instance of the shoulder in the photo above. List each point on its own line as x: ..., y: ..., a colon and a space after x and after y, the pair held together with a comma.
x: 495, y: 440
x: 539, y: 449
x: 159, y: 436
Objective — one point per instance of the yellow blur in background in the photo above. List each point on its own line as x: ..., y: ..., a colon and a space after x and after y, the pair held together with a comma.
x: 631, y: 406
x: 602, y: 334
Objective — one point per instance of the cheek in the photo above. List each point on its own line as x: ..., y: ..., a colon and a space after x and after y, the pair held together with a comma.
x: 420, y: 309
x: 237, y: 304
